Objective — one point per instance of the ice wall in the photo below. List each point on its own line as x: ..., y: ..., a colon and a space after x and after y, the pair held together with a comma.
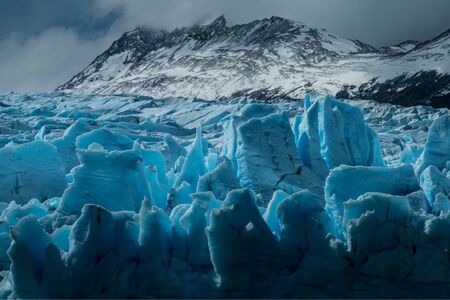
x: 347, y: 182
x: 267, y: 159
x: 31, y: 170
x: 114, y: 180
x: 437, y: 146
x: 334, y: 133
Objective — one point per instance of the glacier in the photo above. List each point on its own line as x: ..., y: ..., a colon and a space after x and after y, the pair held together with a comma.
x: 128, y: 196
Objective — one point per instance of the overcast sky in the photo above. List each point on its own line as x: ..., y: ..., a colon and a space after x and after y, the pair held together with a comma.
x: 43, y: 43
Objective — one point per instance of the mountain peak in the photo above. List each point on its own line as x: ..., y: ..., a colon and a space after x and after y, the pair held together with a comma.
x: 445, y: 33
x: 220, y: 21
x: 277, y: 19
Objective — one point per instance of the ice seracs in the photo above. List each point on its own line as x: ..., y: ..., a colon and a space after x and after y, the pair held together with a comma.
x: 265, y: 200
x: 193, y: 165
x: 113, y: 179
x: 347, y: 182
x: 66, y: 144
x: 30, y: 170
x: 240, y: 242
x: 221, y: 180
x: 437, y: 146
x: 335, y: 133
x: 268, y: 160
x: 107, y: 139
x: 436, y: 187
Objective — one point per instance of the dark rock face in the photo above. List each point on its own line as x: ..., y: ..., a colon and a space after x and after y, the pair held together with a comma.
x: 428, y: 87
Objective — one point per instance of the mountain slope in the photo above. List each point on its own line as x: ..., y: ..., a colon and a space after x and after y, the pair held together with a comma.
x: 266, y: 59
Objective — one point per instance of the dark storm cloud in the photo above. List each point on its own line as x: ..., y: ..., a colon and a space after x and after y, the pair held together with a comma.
x: 43, y: 43
x: 378, y: 22
x: 30, y: 17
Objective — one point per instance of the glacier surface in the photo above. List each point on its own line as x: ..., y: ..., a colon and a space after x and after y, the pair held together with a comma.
x: 134, y: 197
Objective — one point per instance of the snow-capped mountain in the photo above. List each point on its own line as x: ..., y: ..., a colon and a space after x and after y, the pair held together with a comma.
x: 267, y: 59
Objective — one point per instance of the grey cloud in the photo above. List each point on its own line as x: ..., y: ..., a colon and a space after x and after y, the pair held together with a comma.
x: 30, y: 17
x: 377, y: 22
x: 41, y: 62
